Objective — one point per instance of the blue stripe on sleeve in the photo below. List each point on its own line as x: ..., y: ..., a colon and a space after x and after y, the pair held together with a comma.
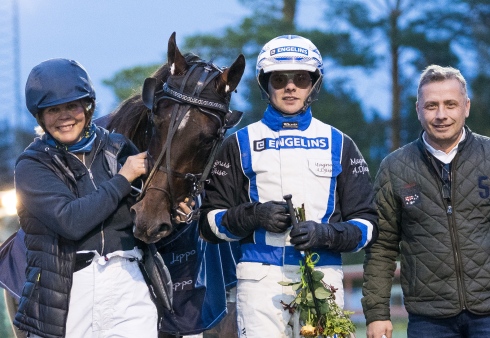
x: 364, y: 230
x: 246, y: 154
x: 223, y: 230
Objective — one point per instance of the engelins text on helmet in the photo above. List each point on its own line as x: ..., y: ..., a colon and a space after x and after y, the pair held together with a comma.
x: 289, y: 49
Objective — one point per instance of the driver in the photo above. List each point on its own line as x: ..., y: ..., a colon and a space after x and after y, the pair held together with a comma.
x: 287, y: 152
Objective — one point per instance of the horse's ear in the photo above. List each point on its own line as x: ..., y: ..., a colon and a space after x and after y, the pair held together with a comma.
x: 176, y: 60
x: 148, y: 92
x: 232, y: 76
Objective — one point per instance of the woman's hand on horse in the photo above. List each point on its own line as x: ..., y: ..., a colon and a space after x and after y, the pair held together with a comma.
x: 134, y: 167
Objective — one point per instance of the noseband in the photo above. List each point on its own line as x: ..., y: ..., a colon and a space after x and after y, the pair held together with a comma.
x: 181, y: 90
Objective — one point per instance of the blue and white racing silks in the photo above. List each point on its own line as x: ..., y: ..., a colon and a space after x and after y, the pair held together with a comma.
x: 314, y: 162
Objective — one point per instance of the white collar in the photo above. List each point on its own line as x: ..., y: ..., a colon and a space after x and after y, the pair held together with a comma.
x: 439, y: 154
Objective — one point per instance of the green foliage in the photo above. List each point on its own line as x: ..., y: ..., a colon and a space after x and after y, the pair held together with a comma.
x: 479, y: 119
x: 330, y: 318
x: 409, y: 35
x: 337, y: 105
x: 128, y: 82
x: 359, y: 35
x: 319, y: 314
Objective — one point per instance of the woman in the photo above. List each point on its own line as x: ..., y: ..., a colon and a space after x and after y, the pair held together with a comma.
x: 73, y: 185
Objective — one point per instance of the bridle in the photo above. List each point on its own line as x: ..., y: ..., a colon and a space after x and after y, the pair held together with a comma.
x: 176, y: 88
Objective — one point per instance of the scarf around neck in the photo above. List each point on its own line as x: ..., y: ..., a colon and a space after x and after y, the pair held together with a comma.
x: 275, y: 120
x: 84, y: 145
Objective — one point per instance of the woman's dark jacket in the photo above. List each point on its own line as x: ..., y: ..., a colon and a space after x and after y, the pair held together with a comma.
x: 444, y: 243
x: 65, y: 207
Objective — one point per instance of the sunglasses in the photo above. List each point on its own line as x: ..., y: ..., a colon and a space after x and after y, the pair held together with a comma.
x: 281, y: 80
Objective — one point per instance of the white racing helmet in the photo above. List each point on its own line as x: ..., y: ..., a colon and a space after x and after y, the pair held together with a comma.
x: 286, y: 53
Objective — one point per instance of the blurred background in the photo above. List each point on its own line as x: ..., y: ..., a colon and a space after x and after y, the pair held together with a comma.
x: 373, y: 51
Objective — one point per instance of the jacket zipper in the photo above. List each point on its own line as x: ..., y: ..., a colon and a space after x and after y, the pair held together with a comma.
x: 102, y: 235
x: 454, y: 236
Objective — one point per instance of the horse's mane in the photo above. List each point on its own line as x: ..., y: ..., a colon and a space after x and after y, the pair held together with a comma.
x: 130, y: 117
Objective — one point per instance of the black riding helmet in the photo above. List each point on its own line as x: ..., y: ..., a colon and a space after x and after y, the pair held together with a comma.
x: 57, y: 81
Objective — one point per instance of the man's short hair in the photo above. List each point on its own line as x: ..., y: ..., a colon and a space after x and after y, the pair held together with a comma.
x: 435, y: 73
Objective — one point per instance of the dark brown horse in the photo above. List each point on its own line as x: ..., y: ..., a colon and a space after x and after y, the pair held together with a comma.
x: 180, y: 118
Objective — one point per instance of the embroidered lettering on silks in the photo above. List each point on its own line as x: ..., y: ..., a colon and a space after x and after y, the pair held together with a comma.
x: 325, y: 168
x: 219, y: 163
x: 360, y: 166
x: 219, y: 168
x: 284, y: 142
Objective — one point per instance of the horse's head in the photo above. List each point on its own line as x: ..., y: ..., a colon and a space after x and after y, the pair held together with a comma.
x: 189, y: 117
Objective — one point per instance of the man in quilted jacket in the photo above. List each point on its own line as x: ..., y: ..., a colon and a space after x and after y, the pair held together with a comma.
x: 433, y: 198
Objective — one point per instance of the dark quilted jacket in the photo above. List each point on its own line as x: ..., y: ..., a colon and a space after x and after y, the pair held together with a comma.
x: 444, y: 247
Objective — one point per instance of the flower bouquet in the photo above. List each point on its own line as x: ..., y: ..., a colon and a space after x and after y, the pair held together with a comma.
x: 319, y: 314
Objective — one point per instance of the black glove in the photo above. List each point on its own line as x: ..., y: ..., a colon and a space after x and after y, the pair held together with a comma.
x: 272, y: 216
x: 309, y: 234
x: 245, y: 218
x: 339, y: 237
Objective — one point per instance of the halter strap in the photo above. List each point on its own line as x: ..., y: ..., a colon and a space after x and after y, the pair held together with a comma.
x: 184, y: 100
x: 195, y: 101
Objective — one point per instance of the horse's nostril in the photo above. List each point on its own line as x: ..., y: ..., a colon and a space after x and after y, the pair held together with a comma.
x: 165, y: 227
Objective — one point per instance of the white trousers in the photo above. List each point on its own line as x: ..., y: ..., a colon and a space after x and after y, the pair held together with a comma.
x: 111, y: 300
x: 259, y: 295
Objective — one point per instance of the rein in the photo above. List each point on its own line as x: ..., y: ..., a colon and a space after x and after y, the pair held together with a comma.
x: 226, y: 118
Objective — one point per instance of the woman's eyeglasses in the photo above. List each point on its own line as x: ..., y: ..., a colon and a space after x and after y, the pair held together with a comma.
x: 280, y: 80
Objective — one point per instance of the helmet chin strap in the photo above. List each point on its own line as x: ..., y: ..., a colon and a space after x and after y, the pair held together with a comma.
x: 307, y: 102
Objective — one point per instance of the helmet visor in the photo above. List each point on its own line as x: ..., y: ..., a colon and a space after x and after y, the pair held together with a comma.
x: 279, y: 80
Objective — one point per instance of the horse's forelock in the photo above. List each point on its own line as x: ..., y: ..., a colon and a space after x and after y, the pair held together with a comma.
x: 127, y: 118
x: 191, y: 57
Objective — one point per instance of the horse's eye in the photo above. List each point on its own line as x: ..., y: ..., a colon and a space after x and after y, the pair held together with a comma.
x: 207, y: 139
